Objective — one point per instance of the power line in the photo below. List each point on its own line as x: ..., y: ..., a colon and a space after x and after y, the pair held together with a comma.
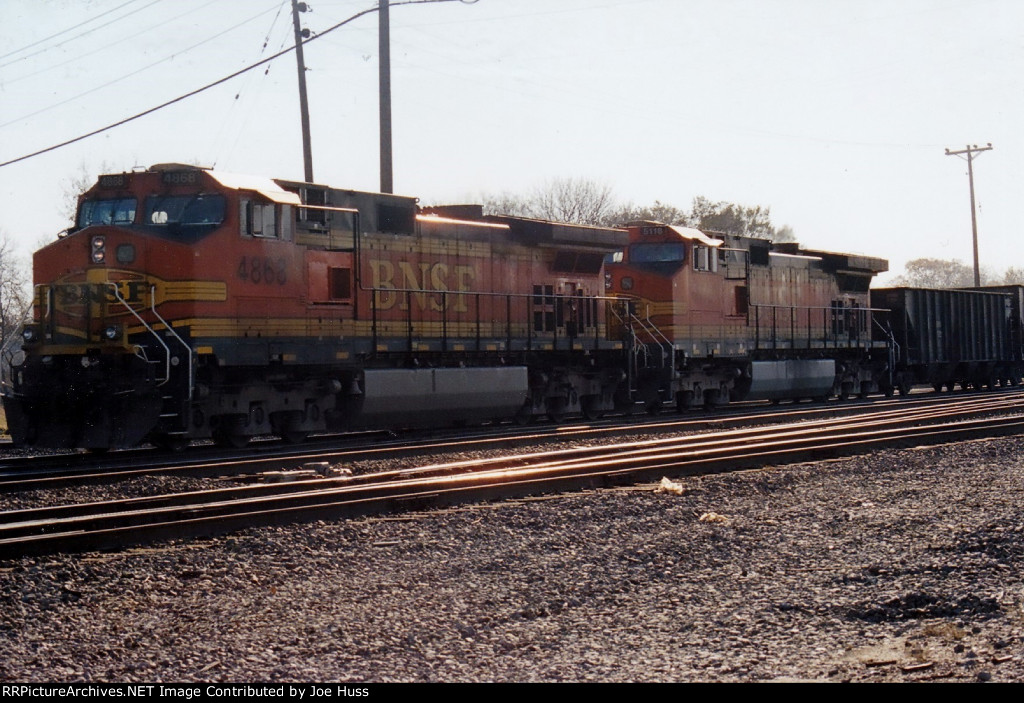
x: 65, y: 31
x: 206, y: 87
x: 172, y: 57
x: 107, y: 46
x: 244, y: 91
x: 77, y: 36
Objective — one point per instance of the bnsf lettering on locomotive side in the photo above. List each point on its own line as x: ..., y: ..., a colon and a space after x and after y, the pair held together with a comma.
x: 263, y: 270
x: 425, y: 277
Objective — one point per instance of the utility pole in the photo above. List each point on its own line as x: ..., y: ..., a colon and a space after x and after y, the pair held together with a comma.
x: 384, y: 40
x: 307, y: 148
x: 970, y: 151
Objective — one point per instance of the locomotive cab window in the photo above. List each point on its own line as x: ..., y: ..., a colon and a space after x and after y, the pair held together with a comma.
x: 313, y: 217
x: 662, y: 258
x: 118, y: 211
x: 655, y: 253
x: 265, y: 220
x: 704, y: 259
x: 184, y: 216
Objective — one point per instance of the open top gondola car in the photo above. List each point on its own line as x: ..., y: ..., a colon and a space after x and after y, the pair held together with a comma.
x: 944, y: 337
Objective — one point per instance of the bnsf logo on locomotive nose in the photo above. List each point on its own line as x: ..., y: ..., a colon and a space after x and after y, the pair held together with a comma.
x: 77, y: 298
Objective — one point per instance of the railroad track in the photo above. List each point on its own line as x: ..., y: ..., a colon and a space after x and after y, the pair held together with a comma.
x: 45, y: 472
x: 113, y: 524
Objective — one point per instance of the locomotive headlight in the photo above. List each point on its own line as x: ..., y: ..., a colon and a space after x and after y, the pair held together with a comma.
x: 99, y: 250
x: 30, y: 335
x: 125, y: 253
x: 112, y: 333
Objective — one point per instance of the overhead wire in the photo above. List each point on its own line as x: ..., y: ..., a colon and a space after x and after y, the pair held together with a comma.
x: 206, y: 87
x: 66, y: 30
x: 165, y: 59
x: 78, y: 36
x: 236, y: 101
x: 106, y: 46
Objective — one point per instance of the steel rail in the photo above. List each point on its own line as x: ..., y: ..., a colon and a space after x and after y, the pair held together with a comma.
x: 574, y: 469
x: 552, y: 458
x: 142, y: 463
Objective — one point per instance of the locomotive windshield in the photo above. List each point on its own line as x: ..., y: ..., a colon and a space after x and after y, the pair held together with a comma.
x: 120, y: 211
x: 652, y: 253
x: 189, y: 215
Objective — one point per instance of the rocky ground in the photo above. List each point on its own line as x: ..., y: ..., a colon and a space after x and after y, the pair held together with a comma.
x: 899, y: 566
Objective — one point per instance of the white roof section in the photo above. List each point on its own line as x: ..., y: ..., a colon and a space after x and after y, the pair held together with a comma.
x: 696, y: 235
x: 260, y: 184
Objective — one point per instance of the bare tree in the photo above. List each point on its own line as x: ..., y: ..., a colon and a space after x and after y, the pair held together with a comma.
x: 506, y: 204
x: 1013, y: 276
x: 939, y: 273
x: 75, y: 184
x: 658, y: 212
x: 583, y: 201
x: 575, y: 200
x: 15, y: 299
x: 748, y: 220
x: 783, y: 234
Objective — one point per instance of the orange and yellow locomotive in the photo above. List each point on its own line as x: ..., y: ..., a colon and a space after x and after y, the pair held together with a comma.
x: 189, y: 304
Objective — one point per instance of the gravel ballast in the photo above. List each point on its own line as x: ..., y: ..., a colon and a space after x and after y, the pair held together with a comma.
x: 902, y: 565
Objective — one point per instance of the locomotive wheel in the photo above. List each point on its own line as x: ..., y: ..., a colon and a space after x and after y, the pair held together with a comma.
x: 589, y: 407
x: 712, y: 398
x: 525, y: 414
x: 294, y: 436
x: 889, y: 391
x: 684, y: 401
x: 556, y: 409
x: 653, y: 407
x: 905, y: 387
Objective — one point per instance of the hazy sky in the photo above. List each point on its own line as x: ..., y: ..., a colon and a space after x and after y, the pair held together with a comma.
x: 833, y: 113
